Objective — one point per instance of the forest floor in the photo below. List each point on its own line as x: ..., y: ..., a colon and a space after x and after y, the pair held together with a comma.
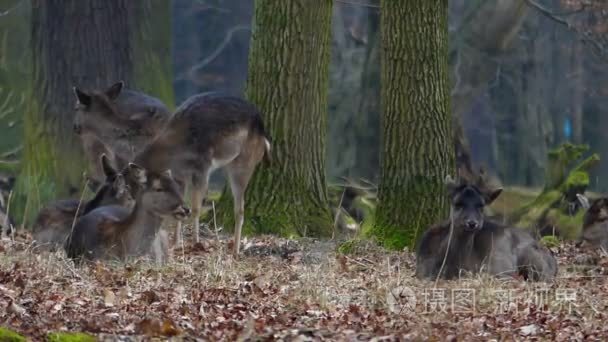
x: 293, y: 290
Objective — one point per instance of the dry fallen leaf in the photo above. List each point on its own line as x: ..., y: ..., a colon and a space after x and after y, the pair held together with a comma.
x: 169, y: 329
x: 108, y: 298
x: 16, y: 309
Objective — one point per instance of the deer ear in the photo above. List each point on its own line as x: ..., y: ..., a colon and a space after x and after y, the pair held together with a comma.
x: 108, y: 169
x: 82, y: 97
x: 584, y: 201
x: 138, y: 172
x: 492, y: 195
x: 114, y: 90
x: 450, y: 184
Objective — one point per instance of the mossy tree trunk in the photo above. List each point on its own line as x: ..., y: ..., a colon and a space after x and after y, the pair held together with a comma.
x: 91, y: 44
x: 151, y: 49
x: 416, y: 152
x: 84, y: 43
x: 288, y: 79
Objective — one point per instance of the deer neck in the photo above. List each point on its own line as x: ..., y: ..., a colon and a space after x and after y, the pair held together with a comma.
x: 140, y: 229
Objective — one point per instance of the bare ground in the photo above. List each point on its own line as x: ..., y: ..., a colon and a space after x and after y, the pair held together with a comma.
x: 293, y: 290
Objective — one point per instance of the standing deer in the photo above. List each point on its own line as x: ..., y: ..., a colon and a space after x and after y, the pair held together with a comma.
x: 208, y: 132
x: 54, y: 222
x: 116, y: 232
x: 469, y: 242
x: 117, y: 122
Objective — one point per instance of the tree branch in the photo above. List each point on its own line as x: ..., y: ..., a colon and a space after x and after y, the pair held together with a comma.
x: 190, y: 73
x: 585, y: 36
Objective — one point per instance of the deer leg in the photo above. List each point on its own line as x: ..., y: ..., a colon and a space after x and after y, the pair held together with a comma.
x: 239, y: 178
x: 178, y: 240
x: 198, y: 192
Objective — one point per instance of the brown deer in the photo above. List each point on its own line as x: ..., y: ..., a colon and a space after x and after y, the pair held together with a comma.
x: 595, y: 222
x: 110, y: 232
x: 469, y: 242
x: 208, y: 132
x: 117, y: 122
x: 54, y: 222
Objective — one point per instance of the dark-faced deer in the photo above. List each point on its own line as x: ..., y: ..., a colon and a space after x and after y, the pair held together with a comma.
x: 117, y: 122
x: 55, y: 221
x: 208, y: 132
x: 115, y: 232
x: 595, y: 222
x: 469, y: 242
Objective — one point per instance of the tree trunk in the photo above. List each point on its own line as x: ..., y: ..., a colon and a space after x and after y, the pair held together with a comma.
x: 151, y: 49
x: 416, y: 152
x: 288, y: 79
x: 91, y: 44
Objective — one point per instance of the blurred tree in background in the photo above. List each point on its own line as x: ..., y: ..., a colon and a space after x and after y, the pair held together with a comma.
x: 526, y: 75
x: 91, y: 44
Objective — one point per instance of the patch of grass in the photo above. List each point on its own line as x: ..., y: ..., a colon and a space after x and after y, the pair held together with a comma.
x: 70, y: 337
x: 550, y: 241
x: 7, y: 335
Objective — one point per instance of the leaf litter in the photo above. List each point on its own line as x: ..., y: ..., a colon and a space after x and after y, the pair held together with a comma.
x: 294, y: 290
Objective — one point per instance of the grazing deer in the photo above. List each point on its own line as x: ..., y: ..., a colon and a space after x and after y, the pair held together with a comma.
x: 116, y: 232
x: 469, y: 242
x: 595, y: 222
x: 54, y: 222
x: 117, y: 122
x: 208, y: 132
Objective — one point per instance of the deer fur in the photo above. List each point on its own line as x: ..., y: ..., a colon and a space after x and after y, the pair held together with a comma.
x: 54, y: 222
x: 117, y: 122
x: 595, y: 222
x: 208, y: 132
x: 469, y: 242
x: 115, y: 232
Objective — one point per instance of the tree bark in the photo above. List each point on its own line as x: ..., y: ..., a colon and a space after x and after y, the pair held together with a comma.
x: 416, y: 152
x: 91, y: 44
x: 73, y: 43
x: 151, y: 35
x: 288, y: 80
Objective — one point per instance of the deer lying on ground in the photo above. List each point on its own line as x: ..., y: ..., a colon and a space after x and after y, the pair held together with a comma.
x: 468, y: 242
x: 140, y: 118
x: 595, y: 222
x: 54, y: 222
x: 208, y: 132
x: 115, y: 232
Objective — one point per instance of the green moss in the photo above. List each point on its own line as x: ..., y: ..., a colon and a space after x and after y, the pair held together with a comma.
x: 576, y: 179
x: 151, y: 48
x: 569, y: 226
x: 7, y: 335
x: 528, y: 215
x: 70, y: 337
x: 550, y: 241
x: 290, y: 216
x: 348, y: 247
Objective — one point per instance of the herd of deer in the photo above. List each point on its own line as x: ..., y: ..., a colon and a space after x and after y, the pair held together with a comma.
x: 143, y: 159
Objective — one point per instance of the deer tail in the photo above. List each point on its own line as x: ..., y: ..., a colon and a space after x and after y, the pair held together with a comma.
x: 267, y: 150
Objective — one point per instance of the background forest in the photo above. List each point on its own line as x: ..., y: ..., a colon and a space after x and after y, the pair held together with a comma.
x: 524, y: 82
x: 527, y: 87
